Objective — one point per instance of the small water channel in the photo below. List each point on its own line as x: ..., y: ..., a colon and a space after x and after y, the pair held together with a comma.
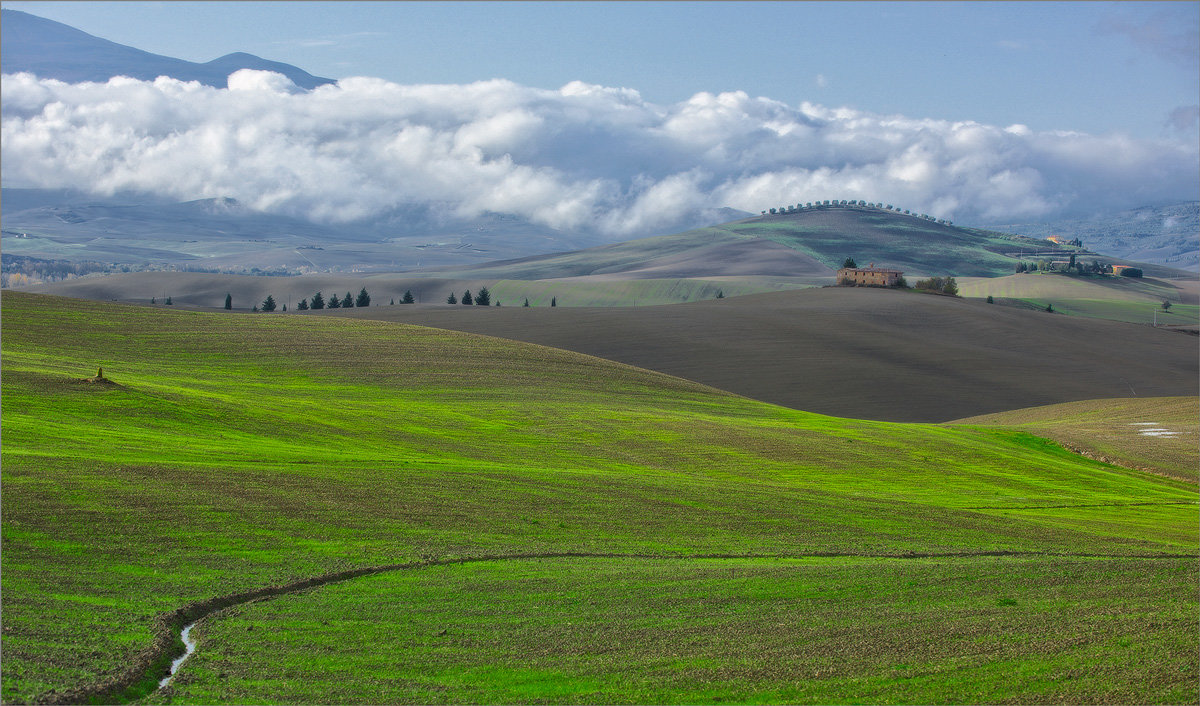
x: 189, y: 646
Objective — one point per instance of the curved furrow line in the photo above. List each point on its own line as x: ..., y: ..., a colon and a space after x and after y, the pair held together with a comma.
x: 155, y: 666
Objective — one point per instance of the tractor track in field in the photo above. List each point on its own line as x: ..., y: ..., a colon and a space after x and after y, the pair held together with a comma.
x: 146, y: 670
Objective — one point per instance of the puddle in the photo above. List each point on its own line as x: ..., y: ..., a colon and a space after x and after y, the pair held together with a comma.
x: 189, y: 646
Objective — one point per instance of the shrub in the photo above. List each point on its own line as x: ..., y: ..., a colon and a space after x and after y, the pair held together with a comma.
x: 941, y: 285
x: 1131, y: 272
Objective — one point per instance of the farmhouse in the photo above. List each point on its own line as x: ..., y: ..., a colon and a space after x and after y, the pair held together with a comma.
x: 868, y: 276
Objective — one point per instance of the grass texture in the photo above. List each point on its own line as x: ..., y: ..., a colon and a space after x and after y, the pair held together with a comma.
x: 236, y: 451
x: 1158, y: 434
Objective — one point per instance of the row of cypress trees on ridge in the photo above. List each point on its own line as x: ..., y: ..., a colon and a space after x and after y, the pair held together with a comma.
x: 813, y: 205
x: 482, y: 298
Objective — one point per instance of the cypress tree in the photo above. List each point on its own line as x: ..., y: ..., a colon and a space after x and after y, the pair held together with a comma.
x: 228, y: 301
x: 553, y: 301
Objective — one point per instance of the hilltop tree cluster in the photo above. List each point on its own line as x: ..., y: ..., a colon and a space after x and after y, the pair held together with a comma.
x: 820, y: 205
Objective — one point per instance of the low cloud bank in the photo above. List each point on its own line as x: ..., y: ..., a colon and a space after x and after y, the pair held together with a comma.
x: 585, y: 157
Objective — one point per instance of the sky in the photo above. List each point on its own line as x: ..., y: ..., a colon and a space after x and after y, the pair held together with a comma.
x: 595, y: 112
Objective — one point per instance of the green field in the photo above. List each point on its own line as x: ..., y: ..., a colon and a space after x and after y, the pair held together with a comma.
x: 1129, y: 299
x: 236, y: 452
x: 1157, y: 434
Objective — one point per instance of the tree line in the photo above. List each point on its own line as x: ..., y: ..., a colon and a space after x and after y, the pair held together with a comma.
x: 483, y: 297
x: 814, y: 205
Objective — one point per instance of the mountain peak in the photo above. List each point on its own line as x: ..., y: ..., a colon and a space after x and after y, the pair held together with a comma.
x: 51, y: 49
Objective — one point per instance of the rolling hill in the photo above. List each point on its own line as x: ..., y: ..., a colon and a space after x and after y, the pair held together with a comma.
x: 866, y: 353
x: 805, y: 245
x: 370, y: 512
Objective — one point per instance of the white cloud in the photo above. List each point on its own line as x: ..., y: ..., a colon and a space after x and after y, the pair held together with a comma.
x: 585, y: 157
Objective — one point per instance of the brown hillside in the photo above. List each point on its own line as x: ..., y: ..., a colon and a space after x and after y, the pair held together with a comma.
x: 865, y: 353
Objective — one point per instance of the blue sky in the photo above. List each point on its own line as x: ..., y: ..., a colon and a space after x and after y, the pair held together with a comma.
x: 1090, y: 67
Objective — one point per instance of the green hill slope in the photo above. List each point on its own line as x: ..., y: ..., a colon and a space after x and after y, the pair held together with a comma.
x: 1158, y: 434
x: 231, y: 452
x: 808, y: 243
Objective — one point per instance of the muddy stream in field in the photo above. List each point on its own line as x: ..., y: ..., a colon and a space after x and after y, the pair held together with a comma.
x: 189, y: 646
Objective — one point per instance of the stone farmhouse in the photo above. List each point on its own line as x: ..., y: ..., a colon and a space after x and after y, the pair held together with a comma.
x: 869, y: 276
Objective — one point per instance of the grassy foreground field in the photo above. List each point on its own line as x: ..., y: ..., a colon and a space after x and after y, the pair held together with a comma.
x: 234, y: 452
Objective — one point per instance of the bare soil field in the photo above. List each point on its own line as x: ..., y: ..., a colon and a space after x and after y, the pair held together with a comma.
x: 863, y: 353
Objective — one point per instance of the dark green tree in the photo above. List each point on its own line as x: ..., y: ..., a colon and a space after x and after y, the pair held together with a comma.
x: 451, y: 299
x: 990, y: 300
x: 254, y: 308
x: 168, y: 302
x: 553, y: 301
x: 285, y: 307
x: 484, y: 297
x: 408, y: 297
x: 268, y: 303
x: 228, y: 301
x: 1131, y: 272
x: 334, y: 302
x: 363, y: 299
x: 153, y: 300
x: 1166, y: 305
x: 466, y: 298
x: 393, y: 302
x: 1050, y: 308
x: 303, y: 305
x: 526, y: 302
x: 849, y: 262
x: 720, y: 294
x: 318, y: 301
x: 348, y: 301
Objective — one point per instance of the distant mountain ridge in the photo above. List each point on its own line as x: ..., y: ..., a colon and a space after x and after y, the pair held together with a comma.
x: 51, y: 49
